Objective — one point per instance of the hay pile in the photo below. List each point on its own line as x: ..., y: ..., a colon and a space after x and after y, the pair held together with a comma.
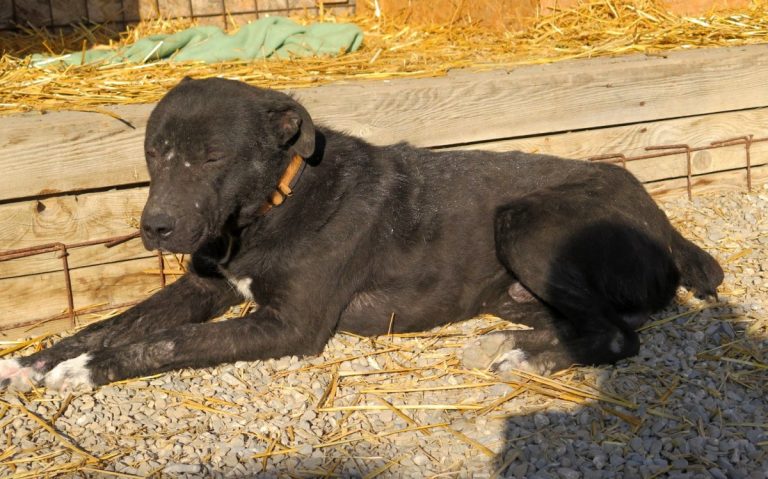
x: 390, y: 49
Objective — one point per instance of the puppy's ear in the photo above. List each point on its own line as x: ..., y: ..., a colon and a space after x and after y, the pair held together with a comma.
x: 294, y: 128
x: 186, y: 79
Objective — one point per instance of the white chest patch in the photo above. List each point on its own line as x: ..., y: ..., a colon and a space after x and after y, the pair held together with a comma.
x: 243, y: 285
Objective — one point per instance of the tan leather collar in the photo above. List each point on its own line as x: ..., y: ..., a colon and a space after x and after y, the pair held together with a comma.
x: 285, y: 186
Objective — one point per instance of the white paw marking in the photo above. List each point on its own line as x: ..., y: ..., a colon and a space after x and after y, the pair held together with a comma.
x: 70, y: 375
x: 512, y: 359
x: 483, y: 351
x: 19, y: 378
x: 617, y: 343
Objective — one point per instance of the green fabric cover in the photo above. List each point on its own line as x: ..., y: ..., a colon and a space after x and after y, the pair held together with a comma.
x: 274, y: 36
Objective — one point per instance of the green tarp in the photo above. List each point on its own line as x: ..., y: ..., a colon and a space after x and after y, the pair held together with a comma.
x: 268, y: 37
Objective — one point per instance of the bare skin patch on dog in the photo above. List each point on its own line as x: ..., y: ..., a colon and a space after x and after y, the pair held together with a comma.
x: 519, y: 293
x: 362, y: 301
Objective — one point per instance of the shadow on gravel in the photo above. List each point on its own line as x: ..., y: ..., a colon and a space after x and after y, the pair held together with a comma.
x: 697, y: 391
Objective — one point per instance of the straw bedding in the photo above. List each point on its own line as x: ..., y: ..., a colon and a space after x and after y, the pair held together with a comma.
x: 692, y: 404
x: 391, y: 49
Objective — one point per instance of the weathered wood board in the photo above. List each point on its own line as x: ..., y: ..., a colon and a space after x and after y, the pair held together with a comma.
x: 721, y: 181
x: 82, y: 151
x: 28, y: 300
x: 71, y: 219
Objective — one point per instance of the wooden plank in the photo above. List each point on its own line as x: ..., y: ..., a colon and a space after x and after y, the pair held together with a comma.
x: 149, y: 9
x: 207, y: 7
x: 50, y: 262
x: 271, y: 5
x: 90, y: 150
x: 533, y: 100
x: 632, y: 140
x: 68, y: 11
x: 216, y: 21
x: 37, y: 167
x: 131, y: 10
x: 78, y: 151
x: 100, y: 11
x: 720, y: 182
x: 240, y: 6
x: 174, y: 8
x: 51, y: 325
x: 42, y: 296
x: 36, y: 12
x: 87, y: 216
x: 71, y: 219
x: 6, y: 14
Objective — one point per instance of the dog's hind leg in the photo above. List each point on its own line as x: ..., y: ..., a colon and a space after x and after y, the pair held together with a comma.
x: 188, y: 300
x: 595, y: 271
x: 553, y: 342
x: 517, y: 348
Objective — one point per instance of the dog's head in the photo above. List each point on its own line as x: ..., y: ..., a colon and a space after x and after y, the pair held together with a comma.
x: 215, y: 150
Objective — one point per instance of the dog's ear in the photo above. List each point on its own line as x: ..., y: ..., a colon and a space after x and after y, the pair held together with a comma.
x: 186, y: 79
x: 294, y: 128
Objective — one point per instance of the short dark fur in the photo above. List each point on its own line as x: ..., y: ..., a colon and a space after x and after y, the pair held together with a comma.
x: 431, y: 237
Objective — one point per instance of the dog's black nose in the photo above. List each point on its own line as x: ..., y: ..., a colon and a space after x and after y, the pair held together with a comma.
x: 157, y: 225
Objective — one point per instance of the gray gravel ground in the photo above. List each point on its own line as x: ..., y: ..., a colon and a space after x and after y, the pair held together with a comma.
x: 691, y: 405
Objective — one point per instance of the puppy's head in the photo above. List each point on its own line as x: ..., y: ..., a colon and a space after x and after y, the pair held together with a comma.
x: 214, y: 149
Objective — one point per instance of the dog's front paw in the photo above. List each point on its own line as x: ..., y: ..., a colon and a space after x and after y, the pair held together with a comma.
x: 17, y: 377
x: 70, y: 375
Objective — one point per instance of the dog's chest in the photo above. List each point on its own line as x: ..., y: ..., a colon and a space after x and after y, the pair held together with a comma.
x: 241, y: 283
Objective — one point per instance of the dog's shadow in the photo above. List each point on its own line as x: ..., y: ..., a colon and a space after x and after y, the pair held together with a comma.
x: 689, y: 371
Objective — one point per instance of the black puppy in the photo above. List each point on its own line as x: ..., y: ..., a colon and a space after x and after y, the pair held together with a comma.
x: 576, y: 250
